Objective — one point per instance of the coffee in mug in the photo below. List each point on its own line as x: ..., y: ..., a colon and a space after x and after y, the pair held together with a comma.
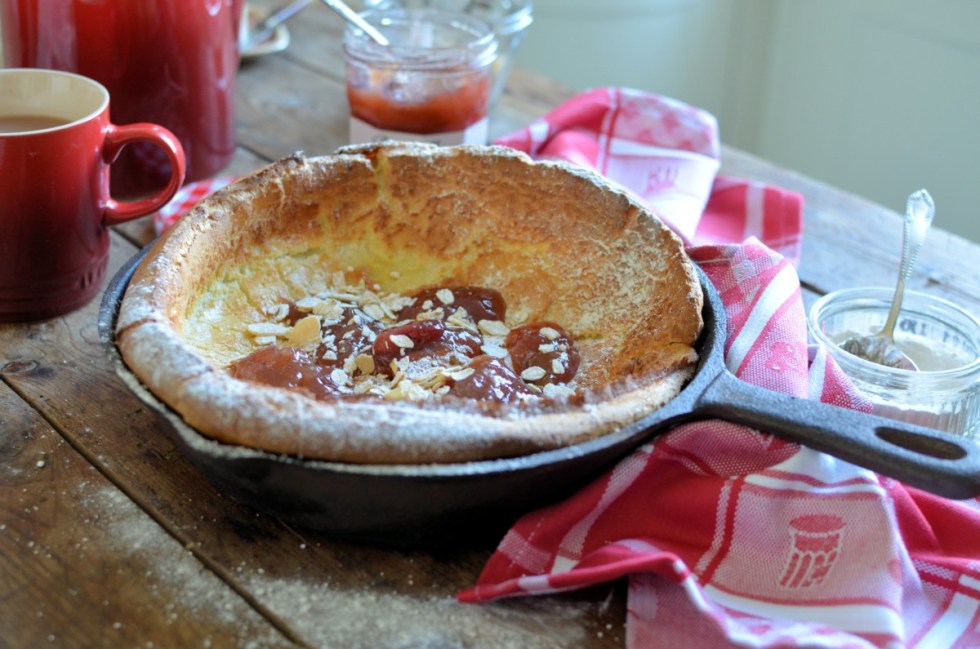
x: 18, y: 123
x: 56, y: 148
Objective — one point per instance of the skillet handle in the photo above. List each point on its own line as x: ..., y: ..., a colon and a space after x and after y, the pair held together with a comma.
x: 921, y: 457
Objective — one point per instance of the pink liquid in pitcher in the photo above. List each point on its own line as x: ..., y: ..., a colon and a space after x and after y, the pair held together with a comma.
x: 171, y: 62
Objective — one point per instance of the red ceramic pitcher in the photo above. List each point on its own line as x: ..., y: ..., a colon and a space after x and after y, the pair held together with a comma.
x: 170, y: 62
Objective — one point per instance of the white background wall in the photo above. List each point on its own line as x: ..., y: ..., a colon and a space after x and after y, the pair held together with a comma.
x: 879, y: 97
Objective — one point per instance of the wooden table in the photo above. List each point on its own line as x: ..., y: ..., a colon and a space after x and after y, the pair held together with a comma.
x: 110, y: 538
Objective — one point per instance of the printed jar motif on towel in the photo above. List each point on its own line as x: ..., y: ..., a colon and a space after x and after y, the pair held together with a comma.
x: 810, y: 548
x: 817, y: 540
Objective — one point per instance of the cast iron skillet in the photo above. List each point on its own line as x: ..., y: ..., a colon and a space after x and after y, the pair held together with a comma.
x: 474, y: 502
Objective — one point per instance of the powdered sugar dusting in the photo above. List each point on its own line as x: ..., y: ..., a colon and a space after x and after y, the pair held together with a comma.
x: 366, y: 618
x: 185, y: 589
x: 375, y: 614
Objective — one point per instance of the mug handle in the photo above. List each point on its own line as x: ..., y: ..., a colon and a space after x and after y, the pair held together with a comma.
x: 116, y: 138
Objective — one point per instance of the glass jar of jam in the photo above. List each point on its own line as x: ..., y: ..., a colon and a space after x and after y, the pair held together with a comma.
x: 432, y: 83
x: 510, y: 18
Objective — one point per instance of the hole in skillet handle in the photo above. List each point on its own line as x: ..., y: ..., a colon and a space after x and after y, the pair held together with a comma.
x: 933, y: 460
x: 931, y: 446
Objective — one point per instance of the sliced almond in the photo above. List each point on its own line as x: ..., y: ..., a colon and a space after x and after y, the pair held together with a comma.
x: 557, y: 391
x: 365, y: 363
x: 431, y: 381
x: 278, y: 311
x: 401, y: 391
x: 461, y: 320
x: 403, y: 341
x: 445, y: 296
x: 365, y: 387
x: 397, y: 378
x: 374, y: 311
x: 266, y: 329
x: 308, y: 303
x: 350, y: 365
x: 368, y: 334
x: 329, y: 309
x: 459, y: 374
x: 305, y: 332
x: 430, y: 314
x: 557, y: 367
x: 494, y: 350
x: 549, y: 333
x: 533, y: 373
x: 389, y: 313
x: 395, y: 302
x: 493, y: 328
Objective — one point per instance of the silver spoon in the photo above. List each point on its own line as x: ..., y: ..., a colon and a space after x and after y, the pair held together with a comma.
x: 881, y: 348
x: 352, y: 16
x: 265, y: 27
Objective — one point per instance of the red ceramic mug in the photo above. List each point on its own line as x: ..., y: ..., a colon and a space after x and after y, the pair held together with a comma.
x: 56, y: 147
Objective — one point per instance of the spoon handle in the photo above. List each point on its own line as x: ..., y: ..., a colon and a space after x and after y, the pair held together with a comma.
x: 919, y: 212
x: 352, y: 16
x: 268, y: 25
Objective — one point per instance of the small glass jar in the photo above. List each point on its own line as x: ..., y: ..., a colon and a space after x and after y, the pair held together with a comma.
x: 431, y: 84
x: 942, y: 339
x: 510, y: 18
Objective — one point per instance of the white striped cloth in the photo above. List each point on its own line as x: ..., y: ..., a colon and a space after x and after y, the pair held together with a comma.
x: 186, y: 197
x: 667, y: 153
x: 729, y: 536
x: 732, y: 537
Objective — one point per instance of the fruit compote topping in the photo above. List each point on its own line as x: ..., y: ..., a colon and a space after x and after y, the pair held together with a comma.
x: 439, y: 343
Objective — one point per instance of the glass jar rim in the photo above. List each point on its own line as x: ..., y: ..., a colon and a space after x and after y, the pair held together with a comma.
x: 478, y: 51
x: 517, y: 15
x: 917, y: 302
x: 517, y: 20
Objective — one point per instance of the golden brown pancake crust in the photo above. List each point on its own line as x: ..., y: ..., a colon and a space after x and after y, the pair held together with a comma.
x: 560, y: 243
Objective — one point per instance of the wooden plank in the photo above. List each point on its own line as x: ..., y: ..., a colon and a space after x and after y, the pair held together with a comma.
x: 317, y: 42
x: 328, y: 593
x: 82, y: 566
x: 284, y: 107
x: 140, y: 231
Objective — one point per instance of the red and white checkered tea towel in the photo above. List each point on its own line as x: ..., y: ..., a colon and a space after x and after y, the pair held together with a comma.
x: 729, y: 536
x: 186, y: 197
x: 667, y: 153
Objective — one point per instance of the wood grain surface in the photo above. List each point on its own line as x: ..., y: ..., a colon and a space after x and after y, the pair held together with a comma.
x: 110, y: 538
